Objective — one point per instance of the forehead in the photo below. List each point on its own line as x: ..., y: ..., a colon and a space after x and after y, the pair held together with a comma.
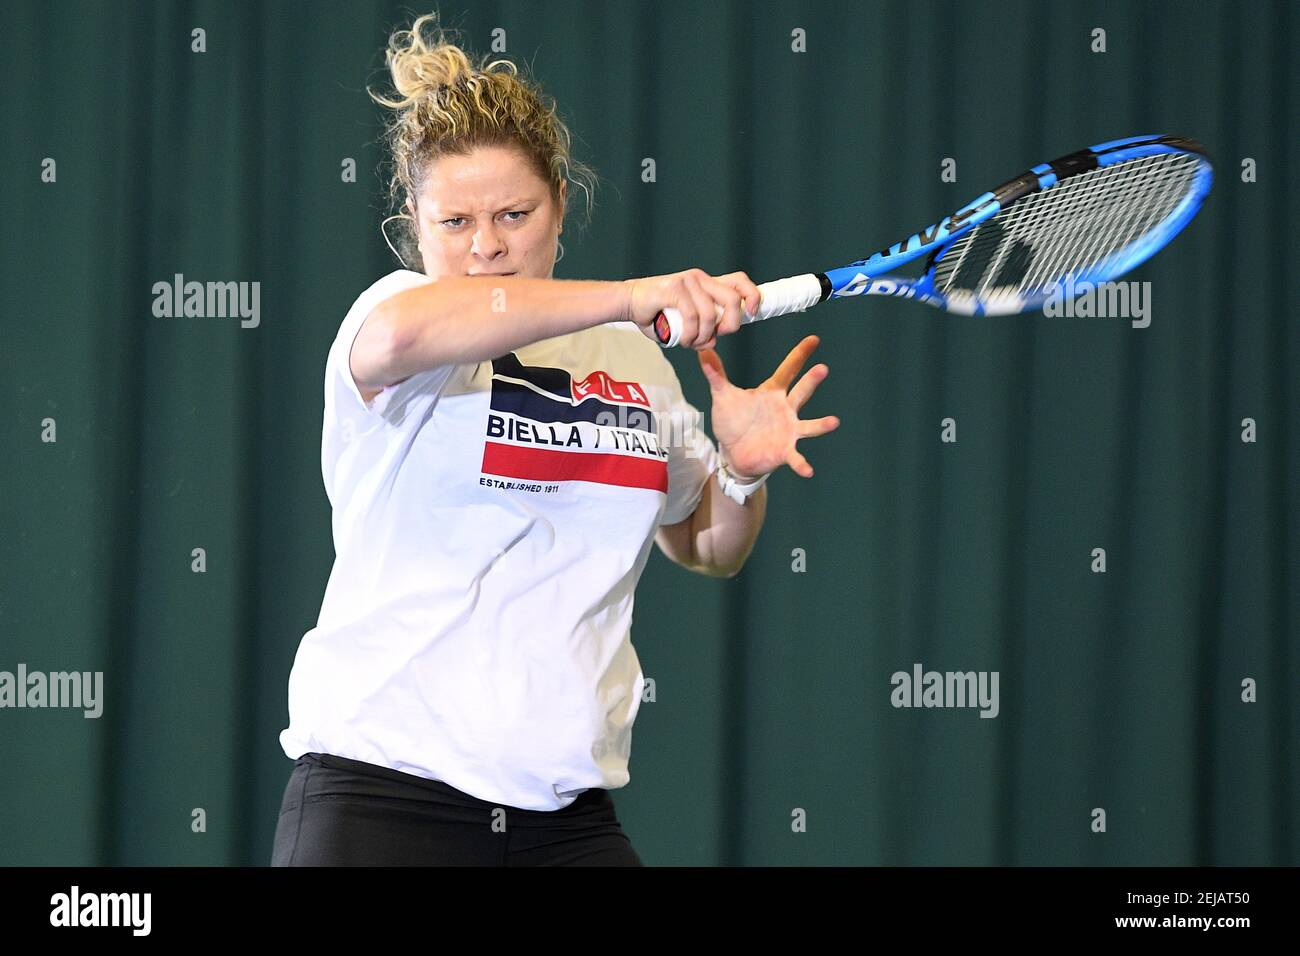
x: 485, y: 179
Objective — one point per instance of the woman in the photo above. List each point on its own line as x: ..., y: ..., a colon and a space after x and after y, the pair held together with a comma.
x: 501, y: 449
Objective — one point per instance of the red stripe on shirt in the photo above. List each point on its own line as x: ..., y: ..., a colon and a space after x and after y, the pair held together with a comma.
x: 544, y: 464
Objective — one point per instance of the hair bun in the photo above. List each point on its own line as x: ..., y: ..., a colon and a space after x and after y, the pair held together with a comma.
x: 423, y: 66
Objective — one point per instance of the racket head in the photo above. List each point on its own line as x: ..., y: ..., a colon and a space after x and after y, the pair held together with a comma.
x: 1085, y: 218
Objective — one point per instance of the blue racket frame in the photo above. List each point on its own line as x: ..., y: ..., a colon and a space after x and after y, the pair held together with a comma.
x: 869, y: 276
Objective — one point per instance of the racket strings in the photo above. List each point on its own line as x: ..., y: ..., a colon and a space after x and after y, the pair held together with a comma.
x: 1068, y: 229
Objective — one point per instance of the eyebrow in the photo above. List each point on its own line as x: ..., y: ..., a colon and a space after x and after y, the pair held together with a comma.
x: 506, y: 208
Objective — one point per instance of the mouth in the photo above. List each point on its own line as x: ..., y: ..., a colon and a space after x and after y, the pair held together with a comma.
x: 491, y: 274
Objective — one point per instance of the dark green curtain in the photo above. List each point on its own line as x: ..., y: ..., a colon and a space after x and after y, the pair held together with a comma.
x: 1119, y: 690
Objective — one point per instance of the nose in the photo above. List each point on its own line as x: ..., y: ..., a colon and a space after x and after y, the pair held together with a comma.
x: 487, y: 243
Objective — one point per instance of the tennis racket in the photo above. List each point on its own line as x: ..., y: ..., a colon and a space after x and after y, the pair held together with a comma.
x: 1087, y: 217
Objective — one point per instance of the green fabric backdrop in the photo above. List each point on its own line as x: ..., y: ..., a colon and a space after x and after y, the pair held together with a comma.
x: 1119, y: 690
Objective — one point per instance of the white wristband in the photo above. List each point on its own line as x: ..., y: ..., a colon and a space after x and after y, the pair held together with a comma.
x: 735, y: 489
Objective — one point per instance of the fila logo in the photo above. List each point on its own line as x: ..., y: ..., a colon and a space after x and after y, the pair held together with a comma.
x: 600, y: 384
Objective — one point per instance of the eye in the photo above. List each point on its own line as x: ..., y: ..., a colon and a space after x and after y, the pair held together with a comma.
x: 451, y: 222
x: 516, y: 212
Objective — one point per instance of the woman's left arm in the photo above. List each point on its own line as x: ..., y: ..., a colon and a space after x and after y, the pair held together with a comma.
x: 717, y: 537
x: 756, y: 429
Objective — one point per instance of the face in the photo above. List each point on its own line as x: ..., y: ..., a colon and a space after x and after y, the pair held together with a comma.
x: 487, y: 213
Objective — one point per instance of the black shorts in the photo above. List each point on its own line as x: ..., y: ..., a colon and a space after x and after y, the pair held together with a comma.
x: 342, y: 812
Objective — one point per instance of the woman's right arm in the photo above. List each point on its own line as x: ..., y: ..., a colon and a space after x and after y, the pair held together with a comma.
x: 460, y: 319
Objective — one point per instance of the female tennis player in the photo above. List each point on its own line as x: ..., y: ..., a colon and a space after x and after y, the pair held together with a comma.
x: 501, y: 449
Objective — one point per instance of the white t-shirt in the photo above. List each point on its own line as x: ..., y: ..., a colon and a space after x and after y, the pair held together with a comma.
x: 491, y: 521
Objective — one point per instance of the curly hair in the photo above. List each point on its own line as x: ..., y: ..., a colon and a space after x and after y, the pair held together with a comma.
x: 446, y: 105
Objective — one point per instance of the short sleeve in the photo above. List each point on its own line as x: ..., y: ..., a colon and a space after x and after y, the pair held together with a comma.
x: 342, y: 396
x: 349, y: 422
x: 692, y: 456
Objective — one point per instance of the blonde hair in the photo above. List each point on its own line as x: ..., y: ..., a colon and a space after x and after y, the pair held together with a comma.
x: 446, y: 105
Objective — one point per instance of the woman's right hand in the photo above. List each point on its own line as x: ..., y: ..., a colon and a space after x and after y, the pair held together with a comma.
x: 710, y: 305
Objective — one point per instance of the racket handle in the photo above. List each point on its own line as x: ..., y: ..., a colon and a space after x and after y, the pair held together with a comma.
x: 779, y: 297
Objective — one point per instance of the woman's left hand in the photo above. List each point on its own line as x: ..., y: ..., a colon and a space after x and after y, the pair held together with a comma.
x: 756, y: 428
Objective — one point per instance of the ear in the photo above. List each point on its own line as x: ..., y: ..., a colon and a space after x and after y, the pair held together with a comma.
x: 410, y: 207
x: 564, y: 189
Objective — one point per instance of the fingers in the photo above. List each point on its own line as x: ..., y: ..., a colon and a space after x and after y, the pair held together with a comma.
x: 714, y: 372
x: 790, y: 366
x: 729, y: 299
x: 710, y: 306
x: 807, y: 385
x: 684, y: 303
x: 743, y: 284
x: 799, y: 464
x: 706, y: 312
x: 813, y: 427
x: 726, y: 304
